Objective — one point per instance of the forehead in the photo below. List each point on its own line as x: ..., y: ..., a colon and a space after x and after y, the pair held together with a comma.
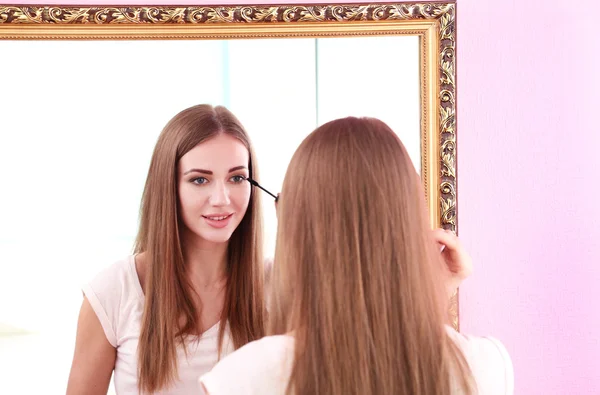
x: 219, y: 153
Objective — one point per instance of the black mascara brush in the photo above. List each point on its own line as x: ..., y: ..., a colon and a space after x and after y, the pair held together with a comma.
x: 256, y: 184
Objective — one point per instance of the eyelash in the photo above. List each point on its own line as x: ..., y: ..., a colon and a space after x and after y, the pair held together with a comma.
x: 193, y: 180
x: 241, y: 179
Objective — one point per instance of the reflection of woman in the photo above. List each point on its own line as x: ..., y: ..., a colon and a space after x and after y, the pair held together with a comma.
x: 194, y: 288
x: 358, y: 283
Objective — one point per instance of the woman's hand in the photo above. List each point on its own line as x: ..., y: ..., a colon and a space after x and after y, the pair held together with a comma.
x: 458, y: 262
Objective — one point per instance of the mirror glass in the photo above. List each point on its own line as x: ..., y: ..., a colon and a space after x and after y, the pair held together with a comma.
x: 79, y: 123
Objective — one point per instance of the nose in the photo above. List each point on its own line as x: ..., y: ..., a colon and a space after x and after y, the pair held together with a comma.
x: 219, y: 195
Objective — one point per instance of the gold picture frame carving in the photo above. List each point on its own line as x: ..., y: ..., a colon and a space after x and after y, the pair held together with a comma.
x: 433, y: 22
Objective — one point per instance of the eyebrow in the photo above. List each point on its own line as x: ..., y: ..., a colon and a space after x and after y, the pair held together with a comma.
x: 210, y: 172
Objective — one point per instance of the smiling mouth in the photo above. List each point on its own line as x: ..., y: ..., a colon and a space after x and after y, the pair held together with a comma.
x: 217, y: 217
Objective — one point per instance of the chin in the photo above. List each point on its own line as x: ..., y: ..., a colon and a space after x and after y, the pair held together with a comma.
x: 216, y: 237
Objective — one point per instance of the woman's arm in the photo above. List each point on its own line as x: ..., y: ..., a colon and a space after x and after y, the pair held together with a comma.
x: 94, y: 358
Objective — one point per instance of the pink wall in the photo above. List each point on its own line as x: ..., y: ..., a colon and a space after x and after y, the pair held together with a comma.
x: 529, y: 135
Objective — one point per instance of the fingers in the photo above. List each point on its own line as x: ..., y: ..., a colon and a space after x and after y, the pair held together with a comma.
x: 446, y: 238
x: 456, y: 258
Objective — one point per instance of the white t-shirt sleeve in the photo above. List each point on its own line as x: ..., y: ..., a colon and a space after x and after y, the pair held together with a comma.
x: 494, y: 369
x: 489, y: 361
x: 104, y: 294
x: 261, y: 367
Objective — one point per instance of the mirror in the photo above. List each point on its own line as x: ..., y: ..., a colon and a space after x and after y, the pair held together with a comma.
x: 91, y: 88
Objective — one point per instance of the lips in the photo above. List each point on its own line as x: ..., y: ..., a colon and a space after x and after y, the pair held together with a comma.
x: 219, y: 220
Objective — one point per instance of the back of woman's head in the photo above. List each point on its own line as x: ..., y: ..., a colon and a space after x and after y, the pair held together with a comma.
x: 356, y: 275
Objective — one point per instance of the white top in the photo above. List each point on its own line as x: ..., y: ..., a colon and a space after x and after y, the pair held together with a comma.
x: 263, y: 367
x: 117, y: 299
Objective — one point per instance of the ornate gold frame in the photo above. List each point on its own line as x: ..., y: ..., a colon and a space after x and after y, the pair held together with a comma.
x: 433, y: 22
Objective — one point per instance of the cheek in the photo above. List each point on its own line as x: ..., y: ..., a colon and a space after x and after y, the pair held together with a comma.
x: 189, y: 198
x: 241, y: 198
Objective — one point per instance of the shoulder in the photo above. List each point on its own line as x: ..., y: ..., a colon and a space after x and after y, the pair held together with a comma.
x: 114, y: 279
x: 112, y: 273
x: 260, y: 367
x: 489, y: 361
x: 258, y: 356
x: 112, y: 290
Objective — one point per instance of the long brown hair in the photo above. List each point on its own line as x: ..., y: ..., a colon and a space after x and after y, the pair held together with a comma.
x: 168, y: 294
x: 357, y: 276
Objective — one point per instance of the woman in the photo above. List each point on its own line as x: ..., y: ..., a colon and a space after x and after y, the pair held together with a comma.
x: 359, y: 286
x: 193, y: 290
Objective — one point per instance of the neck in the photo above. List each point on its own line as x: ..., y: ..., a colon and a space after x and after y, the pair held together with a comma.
x: 206, y: 263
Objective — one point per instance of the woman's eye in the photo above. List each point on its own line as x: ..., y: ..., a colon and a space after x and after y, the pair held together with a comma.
x: 238, y: 179
x: 199, y: 180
